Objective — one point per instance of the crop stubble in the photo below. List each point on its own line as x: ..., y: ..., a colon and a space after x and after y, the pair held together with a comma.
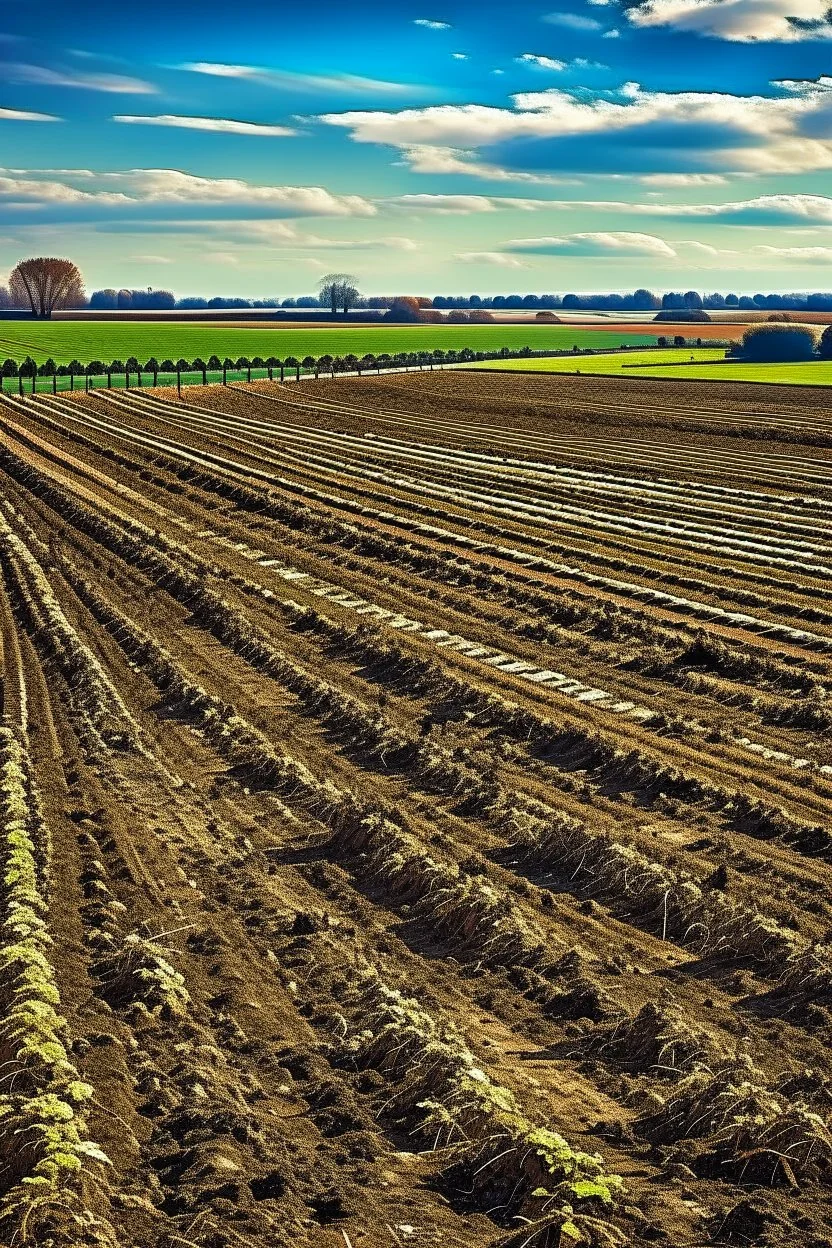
x: 416, y: 799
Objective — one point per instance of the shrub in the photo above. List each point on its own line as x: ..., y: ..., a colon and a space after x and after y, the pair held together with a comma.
x: 683, y: 314
x: 825, y: 344
x: 546, y: 316
x: 778, y: 342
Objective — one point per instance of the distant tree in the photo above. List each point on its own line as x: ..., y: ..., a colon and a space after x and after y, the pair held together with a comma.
x: 292, y: 362
x: 731, y: 301
x: 245, y: 363
x: 404, y: 308
x: 95, y: 368
x: 200, y: 366
x: 131, y: 365
x: 481, y: 316
x: 457, y: 317
x: 167, y: 366
x: 46, y: 284
x: 325, y: 363
x: 271, y: 364
x: 693, y: 300
x: 116, y: 367
x: 104, y: 300
x: 182, y: 366
x: 226, y: 365
x: 338, y: 290
x: 311, y: 365
x: 124, y: 300
x: 152, y: 366
x: 644, y: 300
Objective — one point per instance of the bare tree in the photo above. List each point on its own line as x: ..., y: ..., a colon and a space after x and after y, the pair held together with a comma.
x: 45, y: 284
x: 339, y: 291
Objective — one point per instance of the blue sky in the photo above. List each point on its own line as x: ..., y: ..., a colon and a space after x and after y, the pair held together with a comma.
x: 440, y: 148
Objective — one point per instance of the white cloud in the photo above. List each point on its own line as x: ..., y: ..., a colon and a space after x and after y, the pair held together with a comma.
x: 595, y: 244
x: 152, y: 259
x: 464, y: 205
x: 40, y: 76
x: 219, y: 124
x: 674, y: 180
x: 286, y: 80
x: 763, y: 133
x: 740, y: 21
x: 498, y: 258
x: 572, y: 21
x: 424, y: 158
x: 429, y: 24
x: 48, y: 192
x: 809, y: 255
x: 173, y: 186
x: 459, y: 56
x: 540, y: 62
x: 16, y: 114
x: 611, y: 34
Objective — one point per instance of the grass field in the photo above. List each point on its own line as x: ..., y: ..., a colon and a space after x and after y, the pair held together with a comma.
x: 676, y: 363
x: 105, y: 340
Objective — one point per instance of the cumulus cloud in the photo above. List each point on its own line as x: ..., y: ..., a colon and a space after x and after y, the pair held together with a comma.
x: 429, y: 24
x: 777, y: 133
x: 287, y: 80
x: 740, y: 21
x: 595, y: 244
x: 221, y: 125
x: 498, y: 258
x: 40, y: 76
x: 17, y: 114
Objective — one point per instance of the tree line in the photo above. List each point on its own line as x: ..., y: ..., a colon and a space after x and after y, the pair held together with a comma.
x: 44, y: 284
x: 29, y: 370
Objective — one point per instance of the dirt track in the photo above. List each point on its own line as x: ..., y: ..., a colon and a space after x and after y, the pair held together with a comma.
x: 416, y: 798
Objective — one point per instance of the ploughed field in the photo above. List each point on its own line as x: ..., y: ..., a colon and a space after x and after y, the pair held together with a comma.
x: 416, y: 816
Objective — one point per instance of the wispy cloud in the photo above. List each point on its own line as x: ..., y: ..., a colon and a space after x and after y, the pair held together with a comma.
x: 573, y: 21
x: 429, y: 24
x: 289, y: 80
x: 498, y: 258
x: 152, y: 259
x: 41, y: 76
x: 220, y: 125
x: 17, y: 114
x: 463, y: 205
x: 595, y: 244
x: 540, y: 62
x: 137, y: 187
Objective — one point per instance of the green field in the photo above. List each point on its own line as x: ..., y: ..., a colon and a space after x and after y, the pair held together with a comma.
x: 675, y: 363
x: 108, y: 340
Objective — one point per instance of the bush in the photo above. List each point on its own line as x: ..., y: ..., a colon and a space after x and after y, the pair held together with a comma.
x: 481, y: 316
x: 778, y: 342
x: 825, y: 344
x: 682, y: 314
x: 547, y: 316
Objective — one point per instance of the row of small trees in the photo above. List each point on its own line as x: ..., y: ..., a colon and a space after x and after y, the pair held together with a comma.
x: 29, y: 370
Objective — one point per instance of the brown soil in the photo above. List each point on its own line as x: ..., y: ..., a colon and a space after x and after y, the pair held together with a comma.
x: 414, y: 766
